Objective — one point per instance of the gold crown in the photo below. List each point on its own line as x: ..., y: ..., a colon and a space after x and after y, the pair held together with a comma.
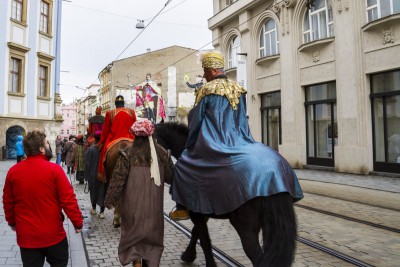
x: 120, y: 98
x: 212, y: 60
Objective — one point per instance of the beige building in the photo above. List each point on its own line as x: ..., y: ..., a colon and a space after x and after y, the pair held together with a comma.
x: 29, y: 70
x: 167, y: 67
x: 323, y: 83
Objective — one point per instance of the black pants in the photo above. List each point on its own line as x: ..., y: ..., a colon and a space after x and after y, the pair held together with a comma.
x: 56, y: 255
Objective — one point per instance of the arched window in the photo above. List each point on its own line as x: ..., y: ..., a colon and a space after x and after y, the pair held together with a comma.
x: 377, y: 9
x: 318, y: 21
x: 269, y: 39
x: 234, y: 48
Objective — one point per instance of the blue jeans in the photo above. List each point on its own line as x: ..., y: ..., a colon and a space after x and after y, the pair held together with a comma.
x: 58, y: 160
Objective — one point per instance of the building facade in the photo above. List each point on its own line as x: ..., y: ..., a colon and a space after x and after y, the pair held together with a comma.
x: 29, y: 69
x: 166, y: 68
x: 323, y: 82
x: 68, y: 125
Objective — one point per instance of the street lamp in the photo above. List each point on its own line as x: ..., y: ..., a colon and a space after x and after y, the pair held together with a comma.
x: 140, y: 24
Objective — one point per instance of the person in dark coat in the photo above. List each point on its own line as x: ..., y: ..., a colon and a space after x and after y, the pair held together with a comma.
x: 96, y: 187
x: 69, y: 150
x: 138, y: 185
x: 59, y: 144
x: 79, y: 158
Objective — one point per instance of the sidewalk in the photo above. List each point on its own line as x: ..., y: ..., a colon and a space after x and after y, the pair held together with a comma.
x: 378, y: 191
x: 9, y: 250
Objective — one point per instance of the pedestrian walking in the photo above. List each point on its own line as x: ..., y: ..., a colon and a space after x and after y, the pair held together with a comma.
x: 96, y: 187
x: 79, y: 158
x: 20, y: 148
x: 69, y: 152
x: 35, y: 193
x: 59, y: 144
x: 138, y: 185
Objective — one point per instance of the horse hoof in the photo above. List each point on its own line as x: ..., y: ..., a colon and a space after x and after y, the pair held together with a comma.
x: 117, y: 225
x: 188, y: 257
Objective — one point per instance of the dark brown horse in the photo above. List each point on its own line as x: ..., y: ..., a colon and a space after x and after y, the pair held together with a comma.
x: 112, y: 156
x: 273, y: 215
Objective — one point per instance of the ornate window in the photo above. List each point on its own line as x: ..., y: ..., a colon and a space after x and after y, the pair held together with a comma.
x: 44, y: 17
x: 318, y: 21
x: 17, y: 10
x: 43, y: 80
x: 377, y: 9
x: 234, y: 49
x: 269, y: 39
x: 14, y: 85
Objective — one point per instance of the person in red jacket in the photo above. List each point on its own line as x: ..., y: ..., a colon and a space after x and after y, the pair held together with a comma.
x: 116, y: 127
x: 35, y: 193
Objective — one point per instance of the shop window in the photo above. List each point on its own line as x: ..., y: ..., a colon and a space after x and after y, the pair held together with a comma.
x: 385, y: 107
x: 321, y: 123
x: 271, y: 119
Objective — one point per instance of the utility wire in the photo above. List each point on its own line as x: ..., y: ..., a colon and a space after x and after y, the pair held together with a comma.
x: 199, y: 49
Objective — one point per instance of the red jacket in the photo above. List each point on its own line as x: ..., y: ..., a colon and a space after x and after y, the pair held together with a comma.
x: 35, y: 192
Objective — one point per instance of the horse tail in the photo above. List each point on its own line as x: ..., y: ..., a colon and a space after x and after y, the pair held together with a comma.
x: 279, y: 231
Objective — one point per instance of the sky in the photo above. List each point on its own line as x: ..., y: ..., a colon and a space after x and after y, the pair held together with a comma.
x: 94, y: 33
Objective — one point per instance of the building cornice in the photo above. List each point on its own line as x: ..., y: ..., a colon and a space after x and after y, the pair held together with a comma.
x: 18, y: 47
x: 45, y: 56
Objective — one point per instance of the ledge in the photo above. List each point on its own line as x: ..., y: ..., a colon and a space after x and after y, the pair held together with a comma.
x: 46, y: 34
x: 316, y: 44
x: 231, y: 70
x: 19, y: 22
x: 18, y: 47
x: 45, y: 56
x: 265, y: 61
x: 44, y: 98
x: 16, y: 94
x: 382, y: 22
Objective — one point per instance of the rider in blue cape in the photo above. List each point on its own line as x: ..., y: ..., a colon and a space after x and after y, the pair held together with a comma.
x: 222, y: 166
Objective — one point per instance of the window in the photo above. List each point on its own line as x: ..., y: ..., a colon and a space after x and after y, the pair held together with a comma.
x: 15, y: 76
x: 67, y: 131
x: 269, y: 39
x: 44, y: 17
x: 318, y: 21
x: 321, y: 124
x: 43, y: 81
x: 234, y: 49
x: 377, y: 9
x: 385, y: 107
x: 17, y: 10
x: 271, y: 119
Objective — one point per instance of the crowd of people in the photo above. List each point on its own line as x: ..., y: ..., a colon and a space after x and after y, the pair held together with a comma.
x: 142, y: 167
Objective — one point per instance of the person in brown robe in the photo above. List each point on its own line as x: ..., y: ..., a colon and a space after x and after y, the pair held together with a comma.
x: 138, y: 185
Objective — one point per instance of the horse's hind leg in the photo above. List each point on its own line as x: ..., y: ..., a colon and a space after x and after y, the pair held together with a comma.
x: 200, y: 221
x: 247, y: 222
x: 190, y: 253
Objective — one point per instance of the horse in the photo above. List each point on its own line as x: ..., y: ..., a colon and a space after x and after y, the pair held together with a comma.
x: 181, y: 132
x: 273, y: 215
x: 111, y: 158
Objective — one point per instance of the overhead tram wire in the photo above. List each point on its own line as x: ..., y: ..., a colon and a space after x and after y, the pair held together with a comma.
x: 168, y: 1
x: 199, y: 49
